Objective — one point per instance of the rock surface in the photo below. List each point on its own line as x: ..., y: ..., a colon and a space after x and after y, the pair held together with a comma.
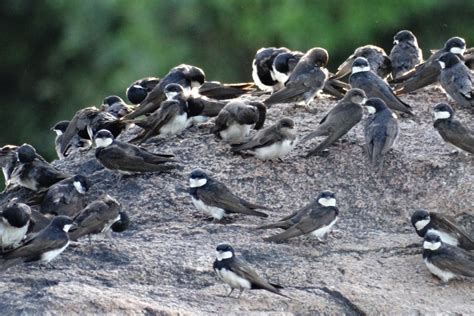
x: 162, y: 265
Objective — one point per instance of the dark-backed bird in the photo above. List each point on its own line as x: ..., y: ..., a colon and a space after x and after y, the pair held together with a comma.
x: 15, y: 223
x: 446, y: 227
x: 76, y: 143
x: 9, y: 161
x: 262, y: 68
x: 451, y: 129
x: 405, y: 54
x: 127, y: 158
x: 456, y: 80
x: 375, y: 87
x: 340, y: 119
x: 116, y: 106
x: 214, y: 198
x: 139, y: 89
x: 378, y: 61
x: 273, y: 142
x: 235, y: 120
x: 200, y: 108
x: 238, y: 274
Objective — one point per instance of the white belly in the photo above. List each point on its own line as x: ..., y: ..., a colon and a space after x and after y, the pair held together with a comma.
x: 318, y: 233
x: 176, y: 125
x: 50, y: 255
x: 233, y: 279
x: 28, y: 183
x: 235, y: 132
x: 11, y: 236
x: 257, y: 81
x: 446, y: 238
x: 215, y: 212
x: 5, y: 174
x: 445, y: 276
x: 280, y: 76
x: 276, y: 150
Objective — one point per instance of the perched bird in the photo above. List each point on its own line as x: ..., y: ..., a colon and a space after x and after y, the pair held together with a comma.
x: 452, y: 130
x: 262, y: 68
x: 189, y: 77
x: 381, y: 130
x: 345, y: 115
x: 32, y: 172
x: 127, y: 158
x: 235, y: 120
x: 378, y: 61
x: 444, y: 226
x: 374, y: 86
x: 315, y: 219
x: 15, y: 223
x: 138, y: 90
x: 456, y: 80
x: 306, y: 80
x: 428, y: 72
x: 44, y: 246
x: 170, y: 119
x: 65, y: 197
x: 76, y: 142
x: 273, y: 142
x: 405, y: 54
x: 8, y: 161
x: 97, y: 218
x: 200, y: 108
x: 445, y: 261
x: 122, y: 224
x: 116, y: 106
x: 238, y: 274
x: 213, y: 197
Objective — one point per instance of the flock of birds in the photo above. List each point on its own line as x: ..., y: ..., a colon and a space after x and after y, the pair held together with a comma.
x: 40, y: 228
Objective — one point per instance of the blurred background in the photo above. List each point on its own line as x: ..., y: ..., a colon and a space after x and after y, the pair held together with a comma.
x: 59, y: 56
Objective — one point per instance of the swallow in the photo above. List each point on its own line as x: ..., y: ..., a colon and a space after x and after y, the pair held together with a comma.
x: 96, y: 219
x: 456, y: 80
x: 122, y: 224
x: 446, y: 227
x: 235, y: 120
x: 381, y: 131
x: 32, y: 172
x: 262, y: 68
x: 377, y: 59
x: 272, y: 142
x: 43, y: 247
x: 445, y: 261
x: 452, y: 130
x: 374, y: 86
x: 189, y: 77
x: 427, y: 72
x: 306, y: 80
x: 15, y: 223
x: 116, y: 106
x: 139, y: 89
x: 339, y: 121
x: 213, y: 197
x: 76, y: 143
x: 170, y: 119
x: 127, y: 158
x: 315, y: 219
x: 200, y: 108
x: 238, y: 274
x: 405, y: 54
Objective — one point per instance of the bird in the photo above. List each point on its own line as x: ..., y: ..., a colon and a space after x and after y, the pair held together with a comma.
x: 187, y: 76
x: 170, y: 119
x: 378, y: 61
x: 238, y: 274
x: 375, y: 87
x: 427, y: 72
x: 306, y: 80
x: 76, y: 143
x: 451, y: 129
x: 456, y: 80
x: 127, y: 158
x: 380, y: 131
x: 262, y: 68
x: 445, y: 261
x: 139, y: 89
x: 446, y: 227
x: 213, y: 197
x: 96, y: 219
x: 15, y: 223
x: 405, y: 54
x: 116, y: 106
x: 340, y: 119
x: 201, y: 108
x: 315, y: 219
x: 32, y: 172
x: 271, y: 143
x: 43, y: 247
x: 234, y: 121
x: 66, y: 197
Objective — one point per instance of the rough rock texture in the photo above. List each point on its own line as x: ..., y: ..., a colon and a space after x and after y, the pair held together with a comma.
x: 372, y: 264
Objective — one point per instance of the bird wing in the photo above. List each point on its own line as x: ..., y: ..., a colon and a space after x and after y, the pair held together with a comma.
x: 391, y: 133
x: 453, y: 131
x: 422, y: 76
x: 345, y: 68
x: 167, y: 111
x: 32, y: 249
x: 245, y: 271
x: 263, y: 138
x: 78, y: 123
x: 455, y: 259
x: 446, y: 223
x: 223, y: 120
